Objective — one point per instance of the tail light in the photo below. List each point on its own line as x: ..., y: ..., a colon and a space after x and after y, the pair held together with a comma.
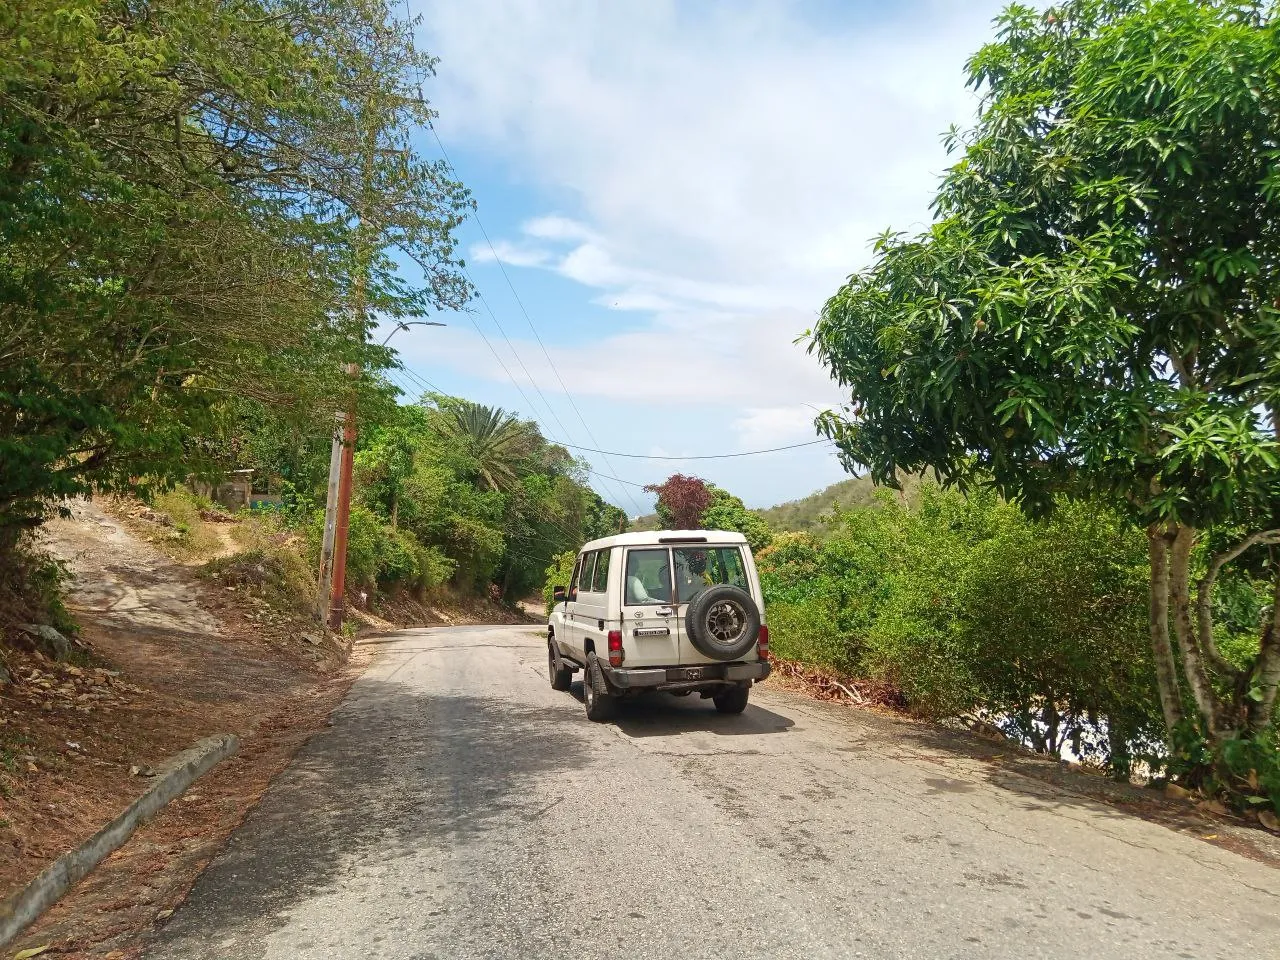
x: 762, y: 642
x: 615, y: 648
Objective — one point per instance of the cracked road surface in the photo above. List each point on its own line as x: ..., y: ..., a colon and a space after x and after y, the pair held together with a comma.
x: 459, y: 808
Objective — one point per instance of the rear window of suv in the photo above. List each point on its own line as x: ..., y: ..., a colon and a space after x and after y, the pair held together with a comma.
x: 698, y: 568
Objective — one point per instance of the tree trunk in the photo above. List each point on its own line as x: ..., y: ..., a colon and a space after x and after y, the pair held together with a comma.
x: 1188, y: 643
x: 1053, y: 746
x: 1267, y: 671
x: 1121, y: 759
x: 1161, y: 649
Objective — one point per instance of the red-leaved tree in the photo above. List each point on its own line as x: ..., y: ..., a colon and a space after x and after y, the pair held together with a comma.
x: 681, y: 501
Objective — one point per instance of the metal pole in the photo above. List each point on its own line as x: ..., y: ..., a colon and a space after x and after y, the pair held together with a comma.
x: 330, y: 519
x: 337, y: 601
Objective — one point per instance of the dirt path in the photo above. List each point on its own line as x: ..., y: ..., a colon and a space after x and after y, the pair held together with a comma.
x: 121, y: 582
x: 171, y: 659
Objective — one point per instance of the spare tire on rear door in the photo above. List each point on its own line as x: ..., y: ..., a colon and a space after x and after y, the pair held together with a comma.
x: 723, y: 622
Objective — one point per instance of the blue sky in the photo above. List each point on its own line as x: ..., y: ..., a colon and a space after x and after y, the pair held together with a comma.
x: 674, y: 189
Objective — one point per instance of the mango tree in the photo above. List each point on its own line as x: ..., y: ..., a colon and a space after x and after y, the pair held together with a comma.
x: 1095, y: 311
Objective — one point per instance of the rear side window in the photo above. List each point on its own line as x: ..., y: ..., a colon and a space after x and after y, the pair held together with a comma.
x: 588, y: 565
x: 600, y: 582
x: 577, y: 576
x: 648, y: 577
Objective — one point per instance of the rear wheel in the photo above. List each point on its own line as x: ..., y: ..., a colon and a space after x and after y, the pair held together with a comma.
x: 733, y: 701
x: 601, y: 705
x: 561, y: 677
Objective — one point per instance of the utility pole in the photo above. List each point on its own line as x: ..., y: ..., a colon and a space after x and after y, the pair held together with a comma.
x: 346, y: 457
x: 333, y: 583
x: 342, y: 525
x: 330, y: 521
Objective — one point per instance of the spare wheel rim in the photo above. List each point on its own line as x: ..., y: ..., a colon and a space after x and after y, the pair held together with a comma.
x: 725, y: 622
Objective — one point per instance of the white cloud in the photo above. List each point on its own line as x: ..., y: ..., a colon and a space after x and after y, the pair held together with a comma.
x: 708, y: 151
x: 554, y: 227
x: 704, y: 360
x: 720, y: 167
x: 516, y: 255
x: 762, y: 428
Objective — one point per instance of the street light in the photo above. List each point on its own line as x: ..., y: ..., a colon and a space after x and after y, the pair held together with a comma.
x: 406, y: 324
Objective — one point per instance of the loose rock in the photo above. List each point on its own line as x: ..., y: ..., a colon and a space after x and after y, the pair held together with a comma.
x: 48, y: 640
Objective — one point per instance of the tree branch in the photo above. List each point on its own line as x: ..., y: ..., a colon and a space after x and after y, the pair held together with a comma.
x: 1204, y: 598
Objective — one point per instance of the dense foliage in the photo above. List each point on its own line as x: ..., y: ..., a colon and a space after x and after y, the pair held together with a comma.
x: 198, y: 205
x: 690, y: 503
x: 965, y: 604
x: 447, y: 492
x: 681, y: 501
x: 1094, y: 315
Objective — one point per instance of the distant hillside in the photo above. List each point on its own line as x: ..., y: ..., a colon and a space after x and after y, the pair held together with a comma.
x: 805, y: 515
x: 648, y: 522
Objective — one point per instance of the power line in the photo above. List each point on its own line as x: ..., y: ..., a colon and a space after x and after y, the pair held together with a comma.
x: 422, y: 381
x: 533, y: 380
x: 398, y: 380
x: 514, y: 352
x: 707, y: 456
x: 631, y: 483
x: 551, y: 521
x: 551, y: 363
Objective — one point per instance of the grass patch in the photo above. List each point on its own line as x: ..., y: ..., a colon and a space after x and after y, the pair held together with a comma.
x: 274, y: 573
x: 12, y: 746
x: 190, y: 536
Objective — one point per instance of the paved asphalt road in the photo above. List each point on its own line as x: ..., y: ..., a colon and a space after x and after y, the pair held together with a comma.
x: 459, y: 808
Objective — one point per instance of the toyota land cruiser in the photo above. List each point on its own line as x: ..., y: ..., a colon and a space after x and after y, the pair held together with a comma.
x: 670, y: 610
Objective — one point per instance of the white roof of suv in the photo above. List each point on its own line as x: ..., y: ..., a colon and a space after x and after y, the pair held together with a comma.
x: 656, y: 538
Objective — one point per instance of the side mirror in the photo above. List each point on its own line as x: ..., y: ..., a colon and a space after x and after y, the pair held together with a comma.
x: 558, y: 594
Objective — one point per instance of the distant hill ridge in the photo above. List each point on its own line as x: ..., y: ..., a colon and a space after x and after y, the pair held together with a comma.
x: 804, y: 515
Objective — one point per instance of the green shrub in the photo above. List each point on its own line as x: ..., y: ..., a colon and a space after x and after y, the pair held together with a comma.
x: 806, y: 632
x: 32, y: 587
x: 277, y: 573
x: 435, y: 568
x: 965, y: 604
x: 558, y: 575
x: 183, y: 507
x: 379, y: 557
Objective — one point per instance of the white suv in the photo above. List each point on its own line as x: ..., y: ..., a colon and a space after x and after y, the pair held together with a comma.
x: 672, y: 610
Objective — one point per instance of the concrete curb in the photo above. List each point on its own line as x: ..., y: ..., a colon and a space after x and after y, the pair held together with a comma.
x: 56, y: 879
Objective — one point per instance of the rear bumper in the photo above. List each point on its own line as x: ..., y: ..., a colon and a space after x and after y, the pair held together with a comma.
x: 685, y: 678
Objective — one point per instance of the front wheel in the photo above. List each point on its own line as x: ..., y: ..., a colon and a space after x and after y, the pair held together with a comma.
x: 561, y: 677
x: 601, y: 705
x: 733, y: 701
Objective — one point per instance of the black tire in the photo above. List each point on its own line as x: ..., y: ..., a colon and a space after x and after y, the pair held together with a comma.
x: 601, y: 704
x: 723, y: 622
x: 733, y: 701
x: 561, y: 677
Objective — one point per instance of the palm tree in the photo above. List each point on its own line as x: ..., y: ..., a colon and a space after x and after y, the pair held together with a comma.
x: 498, y: 441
